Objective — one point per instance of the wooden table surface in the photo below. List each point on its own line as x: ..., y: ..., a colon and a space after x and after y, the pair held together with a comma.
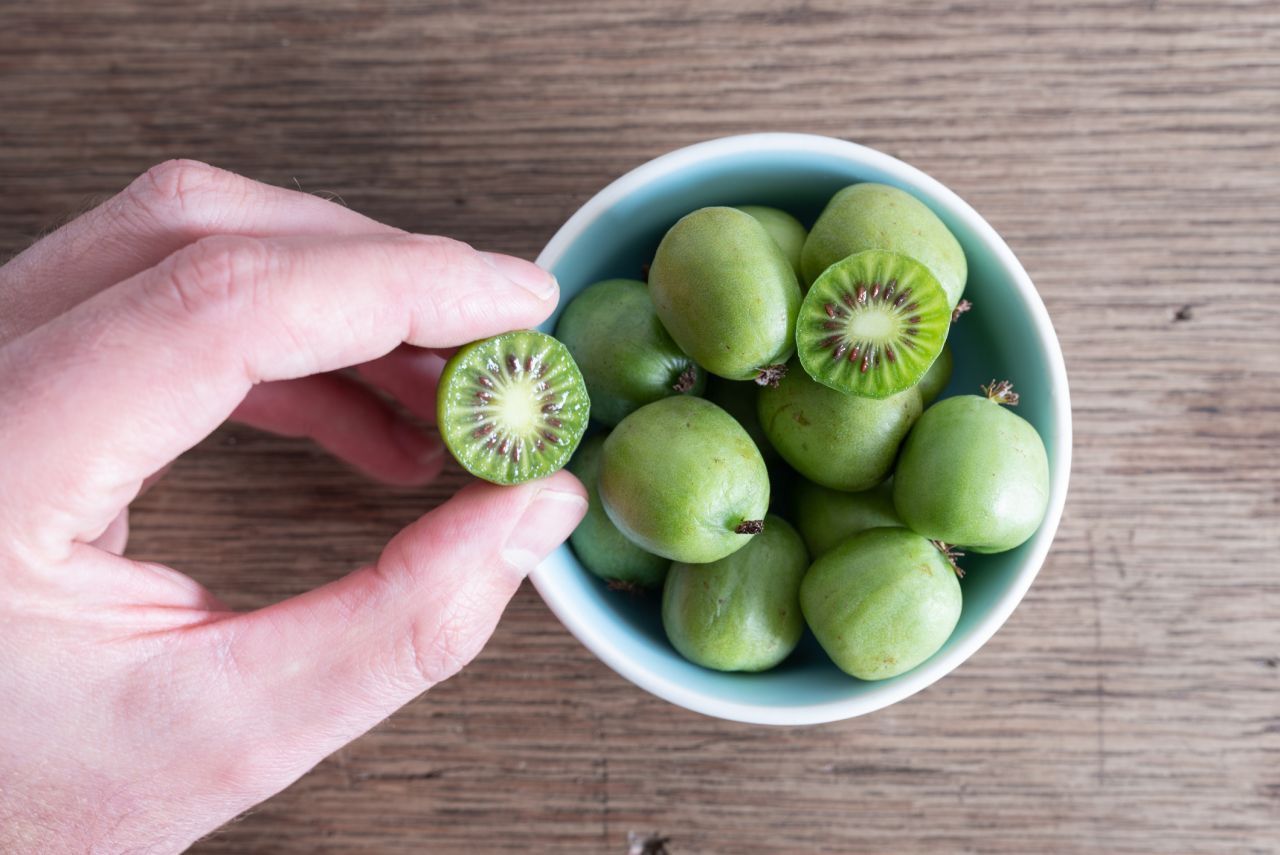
x: 1129, y: 152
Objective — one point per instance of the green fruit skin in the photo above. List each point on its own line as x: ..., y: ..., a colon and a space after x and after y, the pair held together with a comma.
x: 679, y: 475
x: 741, y: 613
x: 933, y: 381
x: 881, y: 602
x: 726, y: 293
x: 626, y: 356
x: 827, y: 517
x: 596, y: 541
x: 738, y: 399
x: 786, y: 231
x: 973, y: 474
x: 876, y: 216
x: 844, y: 442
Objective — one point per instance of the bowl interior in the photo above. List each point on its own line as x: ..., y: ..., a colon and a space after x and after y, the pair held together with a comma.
x: 998, y: 339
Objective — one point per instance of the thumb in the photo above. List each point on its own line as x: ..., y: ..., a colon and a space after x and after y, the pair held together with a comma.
x: 324, y: 667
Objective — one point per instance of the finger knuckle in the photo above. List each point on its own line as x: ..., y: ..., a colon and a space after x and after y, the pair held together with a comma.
x: 219, y: 274
x: 245, y: 769
x: 445, y: 265
x: 443, y: 255
x: 177, y: 193
x: 444, y: 247
x: 438, y: 646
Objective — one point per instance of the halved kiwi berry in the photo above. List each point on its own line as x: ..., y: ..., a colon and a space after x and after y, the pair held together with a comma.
x: 512, y: 408
x: 872, y: 324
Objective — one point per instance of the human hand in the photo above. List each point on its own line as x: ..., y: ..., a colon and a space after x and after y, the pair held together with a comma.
x: 136, y: 711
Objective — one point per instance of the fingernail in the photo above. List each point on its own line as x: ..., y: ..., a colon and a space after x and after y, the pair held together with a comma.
x: 544, y: 525
x: 424, y: 449
x: 528, y: 276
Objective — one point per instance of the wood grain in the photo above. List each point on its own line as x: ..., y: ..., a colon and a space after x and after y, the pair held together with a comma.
x: 1128, y: 151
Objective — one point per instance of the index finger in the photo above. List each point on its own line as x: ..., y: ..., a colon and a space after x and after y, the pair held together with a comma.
x: 166, y: 208
x: 97, y: 399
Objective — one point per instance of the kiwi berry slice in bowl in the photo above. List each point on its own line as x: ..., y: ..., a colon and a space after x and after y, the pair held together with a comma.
x: 512, y: 408
x: 872, y: 324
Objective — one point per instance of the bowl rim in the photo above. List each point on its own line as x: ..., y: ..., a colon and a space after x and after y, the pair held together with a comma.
x: 600, y: 643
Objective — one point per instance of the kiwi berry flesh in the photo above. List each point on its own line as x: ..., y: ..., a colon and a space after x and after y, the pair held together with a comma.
x: 512, y: 408
x: 877, y: 216
x: 726, y: 294
x: 872, y: 324
x: 682, y: 479
x: 596, y: 541
x: 786, y: 231
x: 973, y: 473
x: 839, y: 441
x: 881, y: 602
x: 741, y: 613
x: 827, y: 517
x: 626, y: 356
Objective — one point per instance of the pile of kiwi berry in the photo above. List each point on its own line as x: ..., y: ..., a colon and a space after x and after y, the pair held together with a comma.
x: 759, y: 354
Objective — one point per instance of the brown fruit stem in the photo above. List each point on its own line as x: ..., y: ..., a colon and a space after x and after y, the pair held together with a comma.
x: 770, y: 375
x: 750, y: 527
x: 1001, y: 392
x: 951, y: 554
x: 685, y: 381
x: 961, y: 307
x: 626, y: 587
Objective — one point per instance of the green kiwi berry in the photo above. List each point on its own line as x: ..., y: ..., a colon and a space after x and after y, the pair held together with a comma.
x: 726, y: 294
x: 876, y: 216
x: 935, y: 380
x: 596, y: 541
x: 872, y: 324
x: 786, y: 231
x: 512, y: 408
x: 973, y: 473
x: 840, y: 441
x: 682, y: 479
x: 741, y: 613
x: 626, y: 357
x: 738, y: 399
x: 881, y: 602
x: 826, y: 517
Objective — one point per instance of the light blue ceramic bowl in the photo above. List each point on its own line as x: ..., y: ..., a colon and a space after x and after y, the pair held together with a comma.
x: 1007, y: 336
